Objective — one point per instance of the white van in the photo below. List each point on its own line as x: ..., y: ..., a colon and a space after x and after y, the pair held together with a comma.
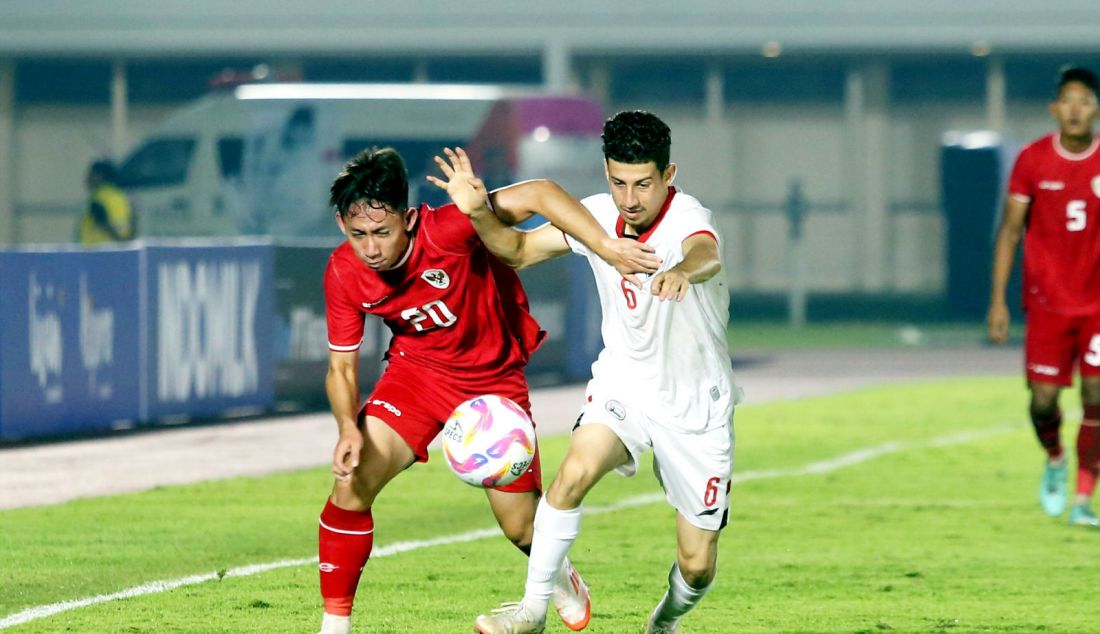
x: 258, y: 159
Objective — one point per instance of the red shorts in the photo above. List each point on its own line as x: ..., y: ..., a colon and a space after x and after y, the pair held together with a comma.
x: 1054, y: 342
x: 416, y: 403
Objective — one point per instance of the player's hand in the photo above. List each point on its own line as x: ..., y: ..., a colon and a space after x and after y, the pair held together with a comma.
x: 630, y: 257
x: 671, y: 284
x: 997, y: 321
x: 346, y: 456
x: 462, y: 185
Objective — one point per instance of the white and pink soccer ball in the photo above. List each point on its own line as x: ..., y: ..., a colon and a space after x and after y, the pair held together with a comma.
x: 489, y: 441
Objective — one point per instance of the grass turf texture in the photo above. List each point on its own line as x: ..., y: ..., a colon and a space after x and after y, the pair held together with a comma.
x: 750, y: 335
x: 924, y: 539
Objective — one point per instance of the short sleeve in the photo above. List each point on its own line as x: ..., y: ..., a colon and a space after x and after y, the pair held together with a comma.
x: 345, y: 320
x: 1021, y: 182
x: 449, y: 229
x: 694, y: 221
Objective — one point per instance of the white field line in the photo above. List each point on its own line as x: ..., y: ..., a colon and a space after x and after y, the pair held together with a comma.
x: 813, y: 468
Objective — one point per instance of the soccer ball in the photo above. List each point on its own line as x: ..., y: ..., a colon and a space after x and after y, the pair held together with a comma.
x: 489, y: 441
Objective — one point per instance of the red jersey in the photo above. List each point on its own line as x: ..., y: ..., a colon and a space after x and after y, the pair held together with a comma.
x: 451, y: 306
x: 1062, y: 240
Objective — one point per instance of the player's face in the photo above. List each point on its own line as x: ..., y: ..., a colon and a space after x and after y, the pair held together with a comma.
x: 639, y: 191
x: 380, y: 237
x: 1075, y: 109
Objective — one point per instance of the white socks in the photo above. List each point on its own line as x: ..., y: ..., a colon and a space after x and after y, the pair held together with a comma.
x: 679, y: 599
x: 555, y: 531
x: 332, y: 624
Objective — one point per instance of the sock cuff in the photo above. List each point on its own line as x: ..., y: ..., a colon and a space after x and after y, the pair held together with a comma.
x: 335, y: 518
x: 338, y: 608
x: 676, y: 579
x: 558, y: 523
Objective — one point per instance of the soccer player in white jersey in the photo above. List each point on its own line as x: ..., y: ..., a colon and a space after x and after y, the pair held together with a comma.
x: 663, y: 381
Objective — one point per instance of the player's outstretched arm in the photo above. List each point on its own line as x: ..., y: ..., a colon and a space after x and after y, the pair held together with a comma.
x: 468, y: 193
x: 701, y: 262
x: 565, y: 212
x: 516, y: 203
x: 1004, y: 252
x: 342, y: 387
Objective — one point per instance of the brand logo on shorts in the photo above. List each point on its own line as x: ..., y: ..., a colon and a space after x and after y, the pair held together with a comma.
x: 1047, y: 370
x: 714, y: 393
x: 616, y: 408
x: 386, y: 406
x: 1096, y: 185
x: 436, y: 277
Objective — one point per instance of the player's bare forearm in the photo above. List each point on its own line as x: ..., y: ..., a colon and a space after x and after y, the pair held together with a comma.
x: 503, y: 241
x: 701, y: 260
x: 1004, y: 251
x: 547, y: 198
x: 342, y: 388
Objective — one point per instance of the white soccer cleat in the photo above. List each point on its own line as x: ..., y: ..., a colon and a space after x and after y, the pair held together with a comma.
x: 652, y: 627
x: 332, y: 624
x: 571, y: 598
x: 509, y: 618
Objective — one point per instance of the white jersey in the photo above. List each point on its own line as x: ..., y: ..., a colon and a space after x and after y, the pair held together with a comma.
x: 673, y: 355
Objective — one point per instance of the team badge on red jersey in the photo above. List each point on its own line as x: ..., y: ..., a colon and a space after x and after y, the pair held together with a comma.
x: 1096, y: 185
x: 436, y: 277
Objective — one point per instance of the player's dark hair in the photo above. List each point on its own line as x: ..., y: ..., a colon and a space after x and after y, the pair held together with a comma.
x: 375, y: 175
x: 105, y: 170
x: 1080, y: 75
x: 637, y: 137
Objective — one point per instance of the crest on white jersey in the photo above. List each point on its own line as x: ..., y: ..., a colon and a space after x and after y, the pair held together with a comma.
x: 616, y: 408
x: 1096, y: 185
x: 436, y: 277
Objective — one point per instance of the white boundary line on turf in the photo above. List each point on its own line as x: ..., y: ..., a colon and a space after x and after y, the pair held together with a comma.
x: 814, y: 468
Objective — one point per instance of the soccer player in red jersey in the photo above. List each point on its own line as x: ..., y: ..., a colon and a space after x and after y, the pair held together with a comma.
x: 1053, y: 202
x: 461, y: 328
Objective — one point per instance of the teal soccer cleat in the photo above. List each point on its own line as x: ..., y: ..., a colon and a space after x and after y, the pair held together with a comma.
x: 1052, y: 490
x: 1082, y: 515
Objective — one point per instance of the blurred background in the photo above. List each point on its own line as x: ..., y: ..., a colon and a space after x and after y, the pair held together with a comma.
x: 853, y: 151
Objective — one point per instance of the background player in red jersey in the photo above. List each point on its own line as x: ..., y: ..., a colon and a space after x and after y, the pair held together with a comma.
x: 1053, y: 202
x: 461, y: 328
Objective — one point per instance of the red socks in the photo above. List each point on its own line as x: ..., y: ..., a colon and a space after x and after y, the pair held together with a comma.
x: 1047, y: 426
x: 1088, y: 450
x: 344, y: 540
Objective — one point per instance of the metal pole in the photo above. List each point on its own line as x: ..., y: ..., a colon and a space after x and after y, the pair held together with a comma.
x: 795, y: 209
x: 119, y: 110
x: 8, y: 228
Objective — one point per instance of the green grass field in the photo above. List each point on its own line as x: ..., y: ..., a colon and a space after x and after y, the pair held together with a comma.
x: 933, y: 527
x: 855, y: 334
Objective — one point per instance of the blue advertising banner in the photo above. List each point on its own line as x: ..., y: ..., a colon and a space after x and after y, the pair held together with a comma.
x: 209, y: 330
x: 69, y: 342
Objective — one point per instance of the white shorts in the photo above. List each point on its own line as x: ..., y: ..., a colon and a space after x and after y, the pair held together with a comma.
x: 694, y: 469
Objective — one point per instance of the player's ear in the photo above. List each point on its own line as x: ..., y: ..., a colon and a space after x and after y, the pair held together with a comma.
x: 340, y: 222
x: 670, y: 174
x: 412, y: 214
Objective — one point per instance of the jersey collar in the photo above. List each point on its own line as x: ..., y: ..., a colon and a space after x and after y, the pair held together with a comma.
x: 620, y: 224
x: 1070, y: 156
